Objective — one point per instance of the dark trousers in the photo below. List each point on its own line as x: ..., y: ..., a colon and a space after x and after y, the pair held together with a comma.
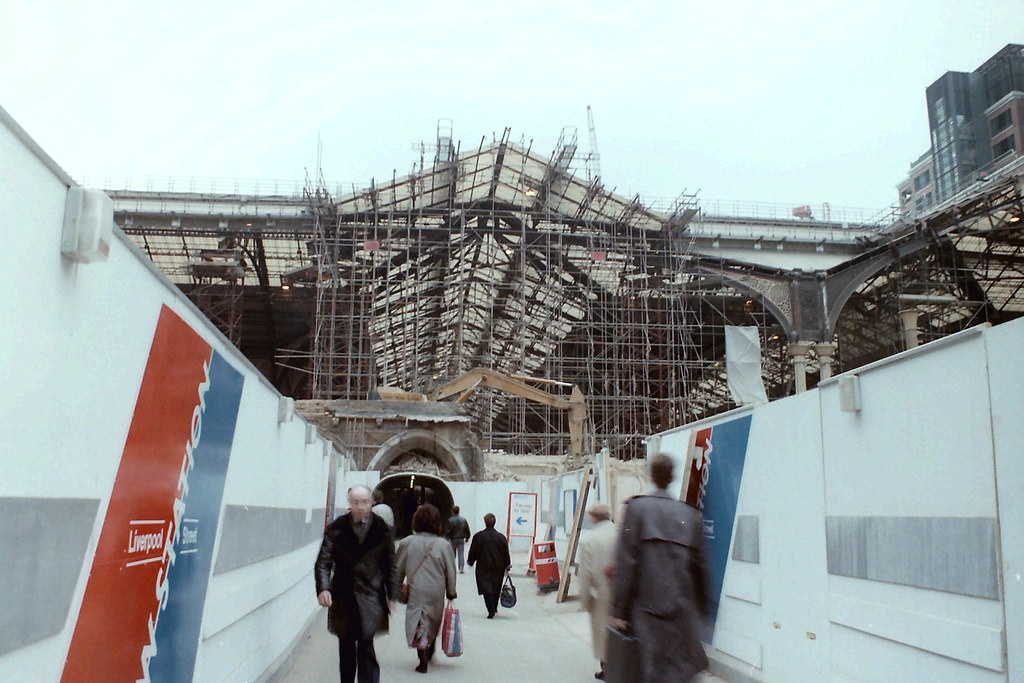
x: 358, y: 654
x: 491, y: 600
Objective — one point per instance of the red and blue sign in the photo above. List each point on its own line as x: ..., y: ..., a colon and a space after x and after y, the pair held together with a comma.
x: 714, y: 488
x: 142, y: 610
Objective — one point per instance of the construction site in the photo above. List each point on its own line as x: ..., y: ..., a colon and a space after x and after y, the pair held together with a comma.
x: 839, y: 392
x: 525, y: 263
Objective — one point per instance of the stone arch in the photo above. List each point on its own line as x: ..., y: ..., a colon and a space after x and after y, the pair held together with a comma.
x: 773, y: 290
x: 424, y: 440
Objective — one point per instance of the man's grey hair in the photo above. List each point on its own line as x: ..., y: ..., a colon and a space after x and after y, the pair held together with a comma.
x: 358, y: 487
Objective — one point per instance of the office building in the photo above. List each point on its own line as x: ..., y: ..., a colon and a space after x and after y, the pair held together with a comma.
x: 976, y: 125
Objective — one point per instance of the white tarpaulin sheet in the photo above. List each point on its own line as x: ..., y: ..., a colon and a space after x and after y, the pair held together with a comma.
x: 743, y: 365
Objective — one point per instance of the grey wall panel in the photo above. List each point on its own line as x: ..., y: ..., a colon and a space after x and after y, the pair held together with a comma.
x: 747, y: 544
x: 316, y: 526
x: 251, y: 534
x: 952, y: 554
x: 43, y: 542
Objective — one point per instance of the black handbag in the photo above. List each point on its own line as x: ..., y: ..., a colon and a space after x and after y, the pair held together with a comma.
x: 508, y: 593
x: 621, y: 657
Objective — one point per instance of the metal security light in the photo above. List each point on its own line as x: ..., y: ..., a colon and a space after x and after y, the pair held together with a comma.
x: 285, y: 409
x: 88, y: 225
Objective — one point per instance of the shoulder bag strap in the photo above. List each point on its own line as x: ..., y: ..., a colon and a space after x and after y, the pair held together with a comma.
x: 425, y: 556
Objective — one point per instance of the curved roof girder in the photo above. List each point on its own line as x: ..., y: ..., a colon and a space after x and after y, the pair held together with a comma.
x: 773, y: 288
x: 996, y: 205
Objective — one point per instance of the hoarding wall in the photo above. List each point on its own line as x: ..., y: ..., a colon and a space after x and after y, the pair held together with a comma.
x: 871, y: 544
x: 159, y: 511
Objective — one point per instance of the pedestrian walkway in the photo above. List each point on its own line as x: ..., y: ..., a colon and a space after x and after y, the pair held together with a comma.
x: 537, y: 640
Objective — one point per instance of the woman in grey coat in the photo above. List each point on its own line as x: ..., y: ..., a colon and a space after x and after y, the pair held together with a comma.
x: 427, y: 564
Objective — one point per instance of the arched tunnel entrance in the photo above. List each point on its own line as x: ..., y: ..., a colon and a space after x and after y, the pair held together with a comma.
x: 405, y: 491
x: 421, y: 450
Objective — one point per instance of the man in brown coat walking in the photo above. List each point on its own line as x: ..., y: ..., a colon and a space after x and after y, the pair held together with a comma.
x: 661, y: 579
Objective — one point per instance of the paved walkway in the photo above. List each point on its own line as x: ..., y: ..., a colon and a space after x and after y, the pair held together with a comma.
x: 535, y: 641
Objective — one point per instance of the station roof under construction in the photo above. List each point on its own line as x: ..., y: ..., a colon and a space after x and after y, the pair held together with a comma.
x: 507, y: 259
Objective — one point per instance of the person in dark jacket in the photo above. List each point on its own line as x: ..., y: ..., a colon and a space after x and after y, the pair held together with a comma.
x: 357, y: 580
x: 489, y: 552
x: 661, y: 579
x: 458, y: 534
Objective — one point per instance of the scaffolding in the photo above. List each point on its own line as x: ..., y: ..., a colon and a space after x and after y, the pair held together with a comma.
x: 969, y: 270
x: 218, y: 278
x: 521, y: 262
x: 504, y: 259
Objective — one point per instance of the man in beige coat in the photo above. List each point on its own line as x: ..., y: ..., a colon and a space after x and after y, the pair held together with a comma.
x: 596, y: 553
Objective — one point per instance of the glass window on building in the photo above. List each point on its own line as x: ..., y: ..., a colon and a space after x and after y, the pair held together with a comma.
x: 1002, y: 147
x: 1003, y: 73
x: 922, y: 203
x: 922, y: 180
x: 1001, y: 122
x: 962, y: 100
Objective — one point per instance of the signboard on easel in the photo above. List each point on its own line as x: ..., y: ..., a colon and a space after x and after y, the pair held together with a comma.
x: 522, y: 515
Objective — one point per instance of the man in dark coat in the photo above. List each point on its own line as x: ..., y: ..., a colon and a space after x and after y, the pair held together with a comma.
x: 660, y: 582
x: 489, y: 552
x: 458, y: 534
x: 357, y: 580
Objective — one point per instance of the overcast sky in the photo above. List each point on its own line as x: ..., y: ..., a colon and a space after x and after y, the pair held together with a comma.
x: 791, y: 102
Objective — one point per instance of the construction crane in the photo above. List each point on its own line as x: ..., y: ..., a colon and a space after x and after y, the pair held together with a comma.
x: 466, y: 385
x: 593, y: 163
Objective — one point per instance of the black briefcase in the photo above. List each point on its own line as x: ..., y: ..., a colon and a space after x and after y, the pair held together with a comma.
x: 621, y: 657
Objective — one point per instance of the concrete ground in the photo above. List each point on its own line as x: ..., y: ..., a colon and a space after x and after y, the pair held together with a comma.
x: 537, y: 640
